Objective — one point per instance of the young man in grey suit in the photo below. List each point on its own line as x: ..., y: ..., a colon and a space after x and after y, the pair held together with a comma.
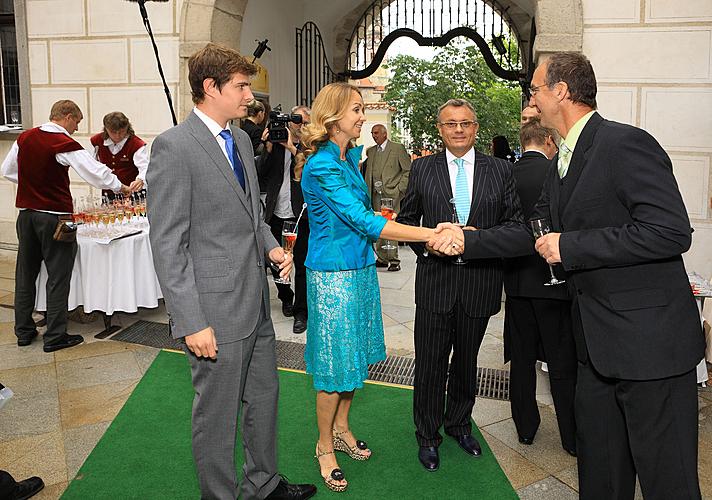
x: 210, y: 246
x: 389, y: 163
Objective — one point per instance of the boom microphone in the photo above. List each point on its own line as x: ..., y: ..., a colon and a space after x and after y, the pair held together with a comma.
x: 147, y: 25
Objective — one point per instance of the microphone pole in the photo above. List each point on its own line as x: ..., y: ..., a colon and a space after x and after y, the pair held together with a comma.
x: 147, y: 25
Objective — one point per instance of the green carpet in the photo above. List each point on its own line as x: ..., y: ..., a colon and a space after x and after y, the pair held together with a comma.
x: 146, y: 454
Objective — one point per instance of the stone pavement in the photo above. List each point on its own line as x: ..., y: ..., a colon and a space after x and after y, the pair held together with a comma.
x: 64, y: 401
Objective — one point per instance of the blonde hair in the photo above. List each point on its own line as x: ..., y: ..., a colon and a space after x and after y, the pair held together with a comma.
x: 329, y: 107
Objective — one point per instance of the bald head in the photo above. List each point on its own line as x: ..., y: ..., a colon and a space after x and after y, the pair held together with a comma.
x: 379, y: 133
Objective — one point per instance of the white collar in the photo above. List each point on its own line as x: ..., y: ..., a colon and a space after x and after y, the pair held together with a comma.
x: 383, y: 145
x: 469, y: 157
x: 55, y: 128
x: 534, y: 150
x: 119, y: 145
x: 212, y: 125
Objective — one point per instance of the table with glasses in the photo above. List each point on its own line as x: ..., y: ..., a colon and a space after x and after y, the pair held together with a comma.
x: 701, y: 289
x: 113, y: 272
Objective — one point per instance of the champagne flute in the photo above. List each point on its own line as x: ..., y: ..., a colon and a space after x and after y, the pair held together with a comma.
x: 456, y: 221
x: 378, y: 186
x: 387, y: 211
x: 289, y: 238
x: 540, y: 227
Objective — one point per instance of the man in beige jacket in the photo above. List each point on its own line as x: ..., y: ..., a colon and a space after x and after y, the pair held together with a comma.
x: 386, y: 174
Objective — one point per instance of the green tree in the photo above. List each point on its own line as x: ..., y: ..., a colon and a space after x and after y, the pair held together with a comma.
x: 418, y: 87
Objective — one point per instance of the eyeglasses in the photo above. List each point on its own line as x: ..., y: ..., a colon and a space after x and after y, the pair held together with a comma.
x: 535, y: 88
x: 453, y: 125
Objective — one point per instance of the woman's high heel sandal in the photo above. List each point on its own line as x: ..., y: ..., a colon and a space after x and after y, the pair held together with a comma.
x: 332, y: 480
x: 357, y: 452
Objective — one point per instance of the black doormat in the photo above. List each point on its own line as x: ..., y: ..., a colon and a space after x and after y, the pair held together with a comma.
x: 491, y: 383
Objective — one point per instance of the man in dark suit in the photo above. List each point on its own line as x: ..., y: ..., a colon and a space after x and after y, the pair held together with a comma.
x: 283, y: 202
x: 537, y: 321
x: 210, y: 246
x: 454, y: 302
x: 619, y: 229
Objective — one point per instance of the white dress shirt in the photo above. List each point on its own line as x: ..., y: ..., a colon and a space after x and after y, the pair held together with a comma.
x: 140, y: 157
x: 93, y: 172
x: 215, y: 129
x: 469, y: 165
x: 283, y: 208
x: 383, y: 145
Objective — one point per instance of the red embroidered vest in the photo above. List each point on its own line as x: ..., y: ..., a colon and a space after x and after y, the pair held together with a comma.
x: 121, y: 163
x: 43, y: 183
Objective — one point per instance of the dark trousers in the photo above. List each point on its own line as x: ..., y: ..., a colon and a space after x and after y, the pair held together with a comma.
x: 648, y: 427
x: 532, y: 325
x: 436, y: 335
x: 284, y: 292
x: 36, y: 244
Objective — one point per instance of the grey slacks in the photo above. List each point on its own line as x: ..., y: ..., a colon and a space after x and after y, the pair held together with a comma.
x: 243, y: 377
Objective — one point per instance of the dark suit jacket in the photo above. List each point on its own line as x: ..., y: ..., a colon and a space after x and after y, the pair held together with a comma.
x: 525, y: 276
x: 624, y: 227
x: 270, y: 171
x: 440, y: 284
x: 255, y: 133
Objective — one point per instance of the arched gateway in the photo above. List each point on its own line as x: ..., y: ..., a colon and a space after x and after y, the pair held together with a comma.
x: 540, y: 27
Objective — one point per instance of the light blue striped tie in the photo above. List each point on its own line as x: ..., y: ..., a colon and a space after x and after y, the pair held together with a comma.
x: 462, y: 192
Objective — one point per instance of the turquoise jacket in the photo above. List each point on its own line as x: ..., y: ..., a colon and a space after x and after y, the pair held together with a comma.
x: 342, y: 225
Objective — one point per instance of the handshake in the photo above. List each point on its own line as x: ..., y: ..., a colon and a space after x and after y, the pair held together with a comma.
x: 448, y: 239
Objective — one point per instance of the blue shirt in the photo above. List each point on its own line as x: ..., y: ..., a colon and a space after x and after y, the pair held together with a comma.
x: 342, y: 225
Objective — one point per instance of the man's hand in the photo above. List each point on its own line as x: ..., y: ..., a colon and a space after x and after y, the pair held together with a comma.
x: 203, y: 343
x: 268, y: 144
x: 548, y: 247
x: 448, y: 239
x: 136, y: 185
x: 279, y: 256
x: 125, y: 190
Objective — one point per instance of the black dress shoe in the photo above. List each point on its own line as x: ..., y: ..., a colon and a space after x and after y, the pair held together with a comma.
x: 429, y: 457
x: 63, y: 343
x: 394, y: 267
x: 469, y: 444
x: 25, y: 341
x: 300, y: 325
x: 287, y: 491
x: 27, y: 488
x: 287, y: 309
x: 571, y: 450
x: 381, y: 264
x: 525, y: 440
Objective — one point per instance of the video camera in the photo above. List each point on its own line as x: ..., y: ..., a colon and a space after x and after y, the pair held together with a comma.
x: 277, y: 124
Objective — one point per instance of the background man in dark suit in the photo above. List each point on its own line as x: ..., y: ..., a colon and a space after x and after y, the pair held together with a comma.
x: 209, y: 246
x: 389, y: 163
x: 454, y: 302
x: 537, y: 318
x: 620, y: 227
x: 283, y: 202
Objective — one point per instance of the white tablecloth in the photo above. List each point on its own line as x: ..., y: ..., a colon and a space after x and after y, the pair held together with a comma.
x: 109, y: 278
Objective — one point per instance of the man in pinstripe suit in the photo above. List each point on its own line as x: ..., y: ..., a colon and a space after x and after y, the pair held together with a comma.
x: 454, y: 302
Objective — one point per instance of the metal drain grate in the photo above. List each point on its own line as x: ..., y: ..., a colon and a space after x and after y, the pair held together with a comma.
x: 148, y: 333
x: 491, y: 382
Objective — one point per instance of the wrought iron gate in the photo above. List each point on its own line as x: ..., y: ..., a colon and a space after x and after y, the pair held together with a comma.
x: 313, y: 69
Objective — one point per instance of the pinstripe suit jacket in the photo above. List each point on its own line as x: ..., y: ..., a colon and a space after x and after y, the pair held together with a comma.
x: 439, y: 283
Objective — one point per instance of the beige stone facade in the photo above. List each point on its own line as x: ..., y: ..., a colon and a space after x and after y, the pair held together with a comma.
x: 653, y: 59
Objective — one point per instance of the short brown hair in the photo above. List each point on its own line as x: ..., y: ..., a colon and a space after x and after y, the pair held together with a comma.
x: 533, y: 133
x: 217, y: 62
x: 116, y: 121
x: 65, y: 107
x: 574, y: 69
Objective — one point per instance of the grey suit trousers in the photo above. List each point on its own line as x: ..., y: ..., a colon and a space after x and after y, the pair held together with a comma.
x: 243, y: 375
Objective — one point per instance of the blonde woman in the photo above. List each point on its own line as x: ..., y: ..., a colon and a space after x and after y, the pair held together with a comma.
x: 344, y: 329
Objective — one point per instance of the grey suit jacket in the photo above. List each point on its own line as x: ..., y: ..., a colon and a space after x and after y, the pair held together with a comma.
x: 392, y: 167
x: 208, y: 237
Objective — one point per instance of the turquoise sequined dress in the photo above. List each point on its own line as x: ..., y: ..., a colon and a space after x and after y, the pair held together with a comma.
x: 344, y: 327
